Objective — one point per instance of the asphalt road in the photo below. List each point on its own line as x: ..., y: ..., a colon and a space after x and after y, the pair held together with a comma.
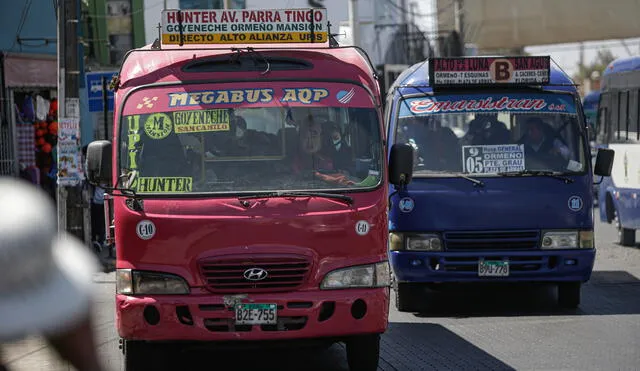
x: 481, y: 329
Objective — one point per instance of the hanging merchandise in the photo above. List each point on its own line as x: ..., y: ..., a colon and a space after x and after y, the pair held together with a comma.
x: 42, y: 108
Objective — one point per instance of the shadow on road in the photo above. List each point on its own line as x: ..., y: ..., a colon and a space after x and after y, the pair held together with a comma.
x: 405, y: 346
x: 607, y: 293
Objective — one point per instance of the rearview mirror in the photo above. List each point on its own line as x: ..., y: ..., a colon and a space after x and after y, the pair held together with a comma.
x: 401, y: 164
x: 604, y: 162
x: 99, y: 163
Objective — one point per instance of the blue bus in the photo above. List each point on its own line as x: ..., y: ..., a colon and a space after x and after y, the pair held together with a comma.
x: 491, y: 177
x: 590, y: 106
x: 618, y: 128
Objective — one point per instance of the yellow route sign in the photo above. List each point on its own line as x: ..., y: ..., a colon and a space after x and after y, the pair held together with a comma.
x: 246, y: 26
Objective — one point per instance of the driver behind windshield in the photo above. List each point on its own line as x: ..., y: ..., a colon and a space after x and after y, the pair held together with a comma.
x: 310, y: 156
x: 542, y: 147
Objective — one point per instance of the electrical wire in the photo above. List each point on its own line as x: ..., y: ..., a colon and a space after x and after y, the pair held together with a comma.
x: 23, y: 18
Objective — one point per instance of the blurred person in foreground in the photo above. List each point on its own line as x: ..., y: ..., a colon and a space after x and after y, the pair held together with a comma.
x: 45, y: 277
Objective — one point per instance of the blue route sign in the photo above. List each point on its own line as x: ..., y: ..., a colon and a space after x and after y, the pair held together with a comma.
x: 94, y: 90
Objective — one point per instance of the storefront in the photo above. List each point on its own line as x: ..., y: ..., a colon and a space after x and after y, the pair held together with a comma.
x: 29, y: 127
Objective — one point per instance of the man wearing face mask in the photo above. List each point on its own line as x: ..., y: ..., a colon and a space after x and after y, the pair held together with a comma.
x: 339, y: 151
x: 244, y: 142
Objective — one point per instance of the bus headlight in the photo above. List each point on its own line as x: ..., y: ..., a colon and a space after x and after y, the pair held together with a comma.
x: 372, y: 275
x: 567, y: 240
x: 131, y: 282
x: 424, y: 242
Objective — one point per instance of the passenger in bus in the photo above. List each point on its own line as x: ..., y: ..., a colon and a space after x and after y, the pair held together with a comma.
x: 247, y: 142
x: 542, y: 147
x: 339, y: 151
x: 438, y: 146
x: 486, y: 130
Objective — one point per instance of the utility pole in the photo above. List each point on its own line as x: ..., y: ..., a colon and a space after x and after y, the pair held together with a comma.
x: 405, y: 30
x: 459, y: 19
x: 69, y: 198
x: 353, y: 22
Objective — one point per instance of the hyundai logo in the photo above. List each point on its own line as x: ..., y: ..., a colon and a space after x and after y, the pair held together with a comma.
x: 255, y: 274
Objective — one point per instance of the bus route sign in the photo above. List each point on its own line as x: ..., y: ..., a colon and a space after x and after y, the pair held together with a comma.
x: 246, y: 26
x: 529, y: 70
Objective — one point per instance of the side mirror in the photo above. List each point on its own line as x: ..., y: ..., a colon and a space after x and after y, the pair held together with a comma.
x: 401, y: 164
x: 99, y: 163
x: 604, y: 162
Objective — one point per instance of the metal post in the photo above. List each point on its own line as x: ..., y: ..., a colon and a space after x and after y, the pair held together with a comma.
x: 227, y: 4
x: 105, y: 109
x: 70, y: 202
x: 353, y: 22
x: 61, y: 198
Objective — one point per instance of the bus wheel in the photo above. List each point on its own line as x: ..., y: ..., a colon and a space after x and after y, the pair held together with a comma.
x: 138, y: 356
x: 569, y: 294
x: 626, y: 237
x: 363, y: 352
x: 408, y: 296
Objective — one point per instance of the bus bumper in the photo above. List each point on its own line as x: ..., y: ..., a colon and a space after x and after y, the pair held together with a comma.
x: 524, y: 266
x: 203, y: 316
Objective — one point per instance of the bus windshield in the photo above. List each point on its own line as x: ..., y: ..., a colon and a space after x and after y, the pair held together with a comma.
x: 250, y: 140
x: 492, y: 134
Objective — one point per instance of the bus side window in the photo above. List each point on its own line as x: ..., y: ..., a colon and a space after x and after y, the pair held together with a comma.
x: 603, y: 122
x: 634, y: 116
x: 623, y: 116
x: 613, y: 117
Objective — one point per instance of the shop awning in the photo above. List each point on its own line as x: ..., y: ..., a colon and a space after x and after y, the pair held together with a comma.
x: 30, y: 70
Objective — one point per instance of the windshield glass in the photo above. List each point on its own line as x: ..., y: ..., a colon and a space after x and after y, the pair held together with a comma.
x: 250, y: 138
x: 487, y: 134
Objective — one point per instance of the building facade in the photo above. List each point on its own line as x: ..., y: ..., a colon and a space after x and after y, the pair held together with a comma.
x: 28, y: 92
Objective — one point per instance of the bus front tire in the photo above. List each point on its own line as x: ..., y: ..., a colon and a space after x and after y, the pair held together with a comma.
x: 139, y: 356
x: 363, y: 352
x: 407, y: 296
x: 626, y: 237
x: 569, y: 294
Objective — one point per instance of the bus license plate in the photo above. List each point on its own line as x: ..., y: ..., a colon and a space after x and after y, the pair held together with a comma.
x: 493, y: 268
x: 256, y: 314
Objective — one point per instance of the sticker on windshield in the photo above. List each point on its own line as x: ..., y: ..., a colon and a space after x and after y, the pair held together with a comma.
x: 201, y: 121
x: 406, y: 205
x: 162, y: 184
x: 147, y: 102
x: 158, y: 126
x: 493, y: 159
x: 235, y: 96
x: 303, y: 95
x: 575, y: 203
x: 574, y: 166
x: 362, y: 227
x: 146, y: 229
x: 344, y: 96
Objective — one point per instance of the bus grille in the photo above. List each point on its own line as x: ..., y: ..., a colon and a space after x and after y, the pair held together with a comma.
x: 491, y: 240
x: 227, y: 274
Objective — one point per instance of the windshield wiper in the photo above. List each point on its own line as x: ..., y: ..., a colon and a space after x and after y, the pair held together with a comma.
x: 476, y: 182
x: 347, y: 199
x: 548, y: 173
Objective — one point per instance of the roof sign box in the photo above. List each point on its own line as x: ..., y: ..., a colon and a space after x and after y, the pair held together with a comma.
x: 244, y: 26
x: 487, y: 71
